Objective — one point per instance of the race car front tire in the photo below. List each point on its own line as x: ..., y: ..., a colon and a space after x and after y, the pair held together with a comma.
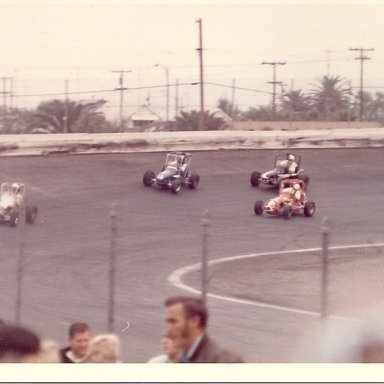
x: 309, y: 208
x: 148, y: 178
x: 259, y: 207
x: 255, y: 178
x: 175, y: 186
x: 30, y: 215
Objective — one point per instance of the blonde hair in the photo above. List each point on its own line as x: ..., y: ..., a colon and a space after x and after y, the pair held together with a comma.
x: 104, y: 349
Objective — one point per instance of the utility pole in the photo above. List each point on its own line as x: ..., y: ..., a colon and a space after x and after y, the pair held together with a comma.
x: 66, y: 108
x: 274, y: 82
x: 5, y: 93
x: 177, y: 99
x: 361, y: 58
x: 233, y: 91
x: 166, y: 69
x: 200, y: 50
x: 121, y: 89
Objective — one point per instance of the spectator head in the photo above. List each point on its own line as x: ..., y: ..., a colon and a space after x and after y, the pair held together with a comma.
x: 79, y: 336
x: 357, y: 339
x: 104, y: 349
x: 18, y: 344
x: 49, y: 352
x: 185, y: 318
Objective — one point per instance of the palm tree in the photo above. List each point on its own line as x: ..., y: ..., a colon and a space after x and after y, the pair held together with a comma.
x: 295, y: 105
x: 330, y: 97
x: 190, y: 121
x: 229, y: 108
x: 58, y: 116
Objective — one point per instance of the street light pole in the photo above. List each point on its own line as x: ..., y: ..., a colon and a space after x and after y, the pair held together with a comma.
x: 167, y: 90
x: 200, y: 50
x: 121, y: 89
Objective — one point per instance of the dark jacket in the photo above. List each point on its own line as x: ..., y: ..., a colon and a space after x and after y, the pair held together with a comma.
x: 209, y: 351
x: 63, y: 355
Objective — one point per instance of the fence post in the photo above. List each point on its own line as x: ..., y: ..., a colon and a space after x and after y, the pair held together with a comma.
x: 204, y: 279
x: 20, y: 264
x: 111, y: 299
x: 324, y: 267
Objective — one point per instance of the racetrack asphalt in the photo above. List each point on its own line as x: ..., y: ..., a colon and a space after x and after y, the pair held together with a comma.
x: 66, y: 252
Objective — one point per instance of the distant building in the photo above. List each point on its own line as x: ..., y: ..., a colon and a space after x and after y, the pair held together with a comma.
x: 144, y: 119
x: 227, y: 120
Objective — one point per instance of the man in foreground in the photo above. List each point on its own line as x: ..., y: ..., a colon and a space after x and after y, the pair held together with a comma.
x: 186, y: 322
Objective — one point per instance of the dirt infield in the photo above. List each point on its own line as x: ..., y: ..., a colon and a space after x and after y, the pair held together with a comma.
x: 294, y: 280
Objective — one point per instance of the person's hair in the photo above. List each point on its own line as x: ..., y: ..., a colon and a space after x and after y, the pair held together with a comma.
x: 77, y: 328
x: 192, y: 307
x: 17, y: 342
x: 104, y: 349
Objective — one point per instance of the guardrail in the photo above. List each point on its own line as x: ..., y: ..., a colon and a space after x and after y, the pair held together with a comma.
x: 45, y: 144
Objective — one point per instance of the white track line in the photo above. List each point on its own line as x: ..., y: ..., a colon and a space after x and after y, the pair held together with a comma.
x: 175, y: 278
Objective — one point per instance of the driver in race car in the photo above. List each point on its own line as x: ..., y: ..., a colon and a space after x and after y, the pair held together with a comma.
x: 16, y: 193
x: 291, y: 164
x: 296, y: 192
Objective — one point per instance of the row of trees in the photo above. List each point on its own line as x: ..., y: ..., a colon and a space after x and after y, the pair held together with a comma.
x: 331, y: 99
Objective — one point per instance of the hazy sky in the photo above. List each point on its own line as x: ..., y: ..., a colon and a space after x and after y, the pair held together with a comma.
x: 41, y: 45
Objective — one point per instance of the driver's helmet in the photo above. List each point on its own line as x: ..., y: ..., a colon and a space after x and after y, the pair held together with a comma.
x: 15, y: 188
x: 291, y: 158
x: 296, y: 186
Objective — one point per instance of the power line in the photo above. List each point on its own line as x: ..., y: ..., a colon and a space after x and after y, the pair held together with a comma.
x: 100, y: 90
x: 239, y: 88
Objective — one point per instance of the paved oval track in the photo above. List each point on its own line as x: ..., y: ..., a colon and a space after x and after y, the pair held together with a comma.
x: 67, y: 251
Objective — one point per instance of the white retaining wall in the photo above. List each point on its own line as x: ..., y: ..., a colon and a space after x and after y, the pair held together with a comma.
x: 45, y: 144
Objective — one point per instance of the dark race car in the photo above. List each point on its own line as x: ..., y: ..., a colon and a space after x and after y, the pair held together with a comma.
x: 286, y: 167
x: 292, y: 200
x: 175, y: 173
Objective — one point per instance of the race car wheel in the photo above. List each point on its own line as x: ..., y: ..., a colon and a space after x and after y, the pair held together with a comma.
x: 305, y: 178
x: 309, y: 208
x: 176, y: 186
x: 148, y: 178
x: 194, y: 181
x: 259, y: 207
x: 287, y: 211
x: 14, y: 219
x: 255, y: 178
x: 30, y: 215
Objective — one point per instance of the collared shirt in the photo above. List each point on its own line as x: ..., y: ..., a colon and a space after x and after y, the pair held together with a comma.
x: 71, y: 356
x: 186, y: 355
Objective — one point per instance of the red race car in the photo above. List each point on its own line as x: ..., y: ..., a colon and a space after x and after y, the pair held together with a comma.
x: 292, y: 200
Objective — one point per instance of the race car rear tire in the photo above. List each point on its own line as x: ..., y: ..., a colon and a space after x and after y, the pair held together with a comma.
x: 287, y: 211
x: 309, y: 208
x: 194, y: 181
x: 30, y: 215
x: 14, y: 219
x: 305, y: 178
x: 175, y: 186
x: 148, y: 178
x: 255, y: 178
x: 259, y: 207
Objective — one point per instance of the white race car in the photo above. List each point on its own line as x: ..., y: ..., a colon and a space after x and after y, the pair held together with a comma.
x: 12, y: 202
x: 286, y: 167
